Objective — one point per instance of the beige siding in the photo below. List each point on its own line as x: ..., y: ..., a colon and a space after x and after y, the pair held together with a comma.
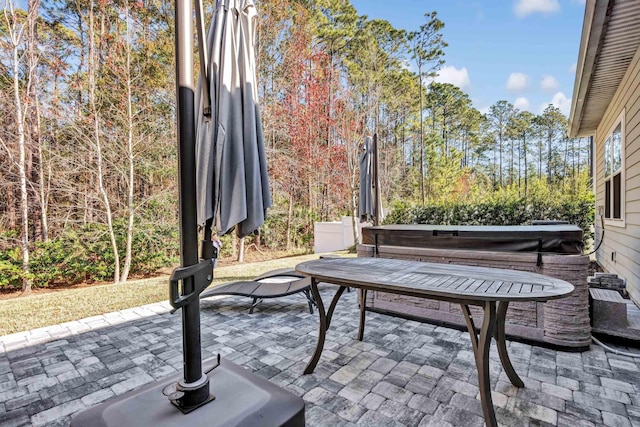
x: 624, y: 242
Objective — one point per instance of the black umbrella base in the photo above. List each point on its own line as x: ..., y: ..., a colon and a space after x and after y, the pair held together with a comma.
x: 241, y: 398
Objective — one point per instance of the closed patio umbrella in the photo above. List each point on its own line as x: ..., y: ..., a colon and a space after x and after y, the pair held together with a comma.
x: 365, y: 208
x: 237, y: 197
x: 231, y: 167
x: 370, y: 207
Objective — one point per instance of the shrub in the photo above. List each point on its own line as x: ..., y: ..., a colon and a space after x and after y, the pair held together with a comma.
x: 499, y: 211
x: 85, y: 255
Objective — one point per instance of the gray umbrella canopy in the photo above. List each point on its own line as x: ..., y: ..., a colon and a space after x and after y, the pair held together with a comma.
x: 370, y: 208
x: 231, y: 166
x: 366, y: 207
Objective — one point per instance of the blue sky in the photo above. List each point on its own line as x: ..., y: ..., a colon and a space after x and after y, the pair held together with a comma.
x: 523, y: 51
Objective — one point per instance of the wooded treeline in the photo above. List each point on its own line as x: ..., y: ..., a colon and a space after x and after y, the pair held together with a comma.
x: 87, y: 133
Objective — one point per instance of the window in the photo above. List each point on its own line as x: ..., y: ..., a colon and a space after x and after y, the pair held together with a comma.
x: 614, y: 173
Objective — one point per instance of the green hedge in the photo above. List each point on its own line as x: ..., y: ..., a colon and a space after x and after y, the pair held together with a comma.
x: 85, y: 255
x: 518, y: 211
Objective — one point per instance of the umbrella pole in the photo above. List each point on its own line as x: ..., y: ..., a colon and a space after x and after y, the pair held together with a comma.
x: 146, y: 406
x: 195, y: 385
x: 376, y: 183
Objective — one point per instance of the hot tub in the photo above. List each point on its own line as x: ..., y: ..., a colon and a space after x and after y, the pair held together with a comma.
x: 554, y: 250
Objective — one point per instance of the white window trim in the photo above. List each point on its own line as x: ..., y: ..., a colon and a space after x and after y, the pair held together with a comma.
x: 623, y: 175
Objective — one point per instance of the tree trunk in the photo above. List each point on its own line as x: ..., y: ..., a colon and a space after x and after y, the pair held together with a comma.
x: 15, y: 35
x: 495, y: 164
x: 549, y: 159
x: 98, y: 147
x: 289, y: 220
x: 500, y: 148
x: 131, y: 177
x: 540, y: 158
x: 526, y: 166
x: 564, y: 166
x: 511, y: 168
x: 34, y: 113
x: 12, y: 214
x: 519, y: 165
x: 241, y: 250
x: 234, y: 244
x: 421, y: 137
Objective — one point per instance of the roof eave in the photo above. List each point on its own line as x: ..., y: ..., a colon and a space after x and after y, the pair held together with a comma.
x: 592, y: 33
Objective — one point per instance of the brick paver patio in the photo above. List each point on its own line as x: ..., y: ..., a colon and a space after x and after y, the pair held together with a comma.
x: 404, y: 373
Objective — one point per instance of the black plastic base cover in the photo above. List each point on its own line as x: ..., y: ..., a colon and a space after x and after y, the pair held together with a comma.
x: 242, y: 399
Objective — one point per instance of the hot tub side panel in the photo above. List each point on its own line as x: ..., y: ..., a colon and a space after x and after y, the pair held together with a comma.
x: 563, y: 323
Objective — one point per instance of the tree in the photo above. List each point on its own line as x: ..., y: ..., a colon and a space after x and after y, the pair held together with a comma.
x: 33, y: 111
x: 520, y: 127
x: 499, y: 115
x: 471, y: 133
x: 427, y: 50
x: 336, y: 29
x: 15, y: 27
x: 94, y: 117
x: 551, y: 124
x: 447, y: 105
x: 126, y: 44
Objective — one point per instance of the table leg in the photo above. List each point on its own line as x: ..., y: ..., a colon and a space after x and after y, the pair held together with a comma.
x: 333, y: 304
x: 471, y: 327
x: 363, y: 300
x: 502, y: 345
x: 481, y: 345
x: 322, y: 330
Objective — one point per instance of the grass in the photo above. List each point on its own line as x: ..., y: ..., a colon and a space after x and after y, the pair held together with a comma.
x: 45, y: 309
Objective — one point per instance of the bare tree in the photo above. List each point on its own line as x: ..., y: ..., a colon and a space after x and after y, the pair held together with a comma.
x: 33, y: 112
x: 130, y: 156
x: 15, y: 30
x: 97, y: 142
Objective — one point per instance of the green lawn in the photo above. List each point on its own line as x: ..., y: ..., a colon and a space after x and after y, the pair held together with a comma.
x: 38, y: 310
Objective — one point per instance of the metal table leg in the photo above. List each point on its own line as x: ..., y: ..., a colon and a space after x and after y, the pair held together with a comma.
x: 500, y: 337
x: 502, y: 345
x: 333, y: 304
x: 322, y: 330
x: 324, y: 322
x: 481, y: 345
x: 363, y: 299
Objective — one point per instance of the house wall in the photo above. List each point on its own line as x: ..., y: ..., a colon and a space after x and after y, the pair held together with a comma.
x: 623, y: 242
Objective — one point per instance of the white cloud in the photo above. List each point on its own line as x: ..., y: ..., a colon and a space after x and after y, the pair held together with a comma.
x: 549, y: 83
x: 457, y: 77
x: 480, y: 106
x: 573, y: 68
x: 521, y: 103
x: 523, y: 8
x: 517, y: 82
x: 559, y: 101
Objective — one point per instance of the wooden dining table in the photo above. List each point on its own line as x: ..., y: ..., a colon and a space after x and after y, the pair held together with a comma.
x: 491, y: 289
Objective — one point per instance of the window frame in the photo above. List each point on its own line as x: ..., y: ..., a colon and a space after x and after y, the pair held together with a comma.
x: 616, y: 222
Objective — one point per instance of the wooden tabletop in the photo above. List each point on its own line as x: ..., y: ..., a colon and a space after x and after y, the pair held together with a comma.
x: 442, y: 281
